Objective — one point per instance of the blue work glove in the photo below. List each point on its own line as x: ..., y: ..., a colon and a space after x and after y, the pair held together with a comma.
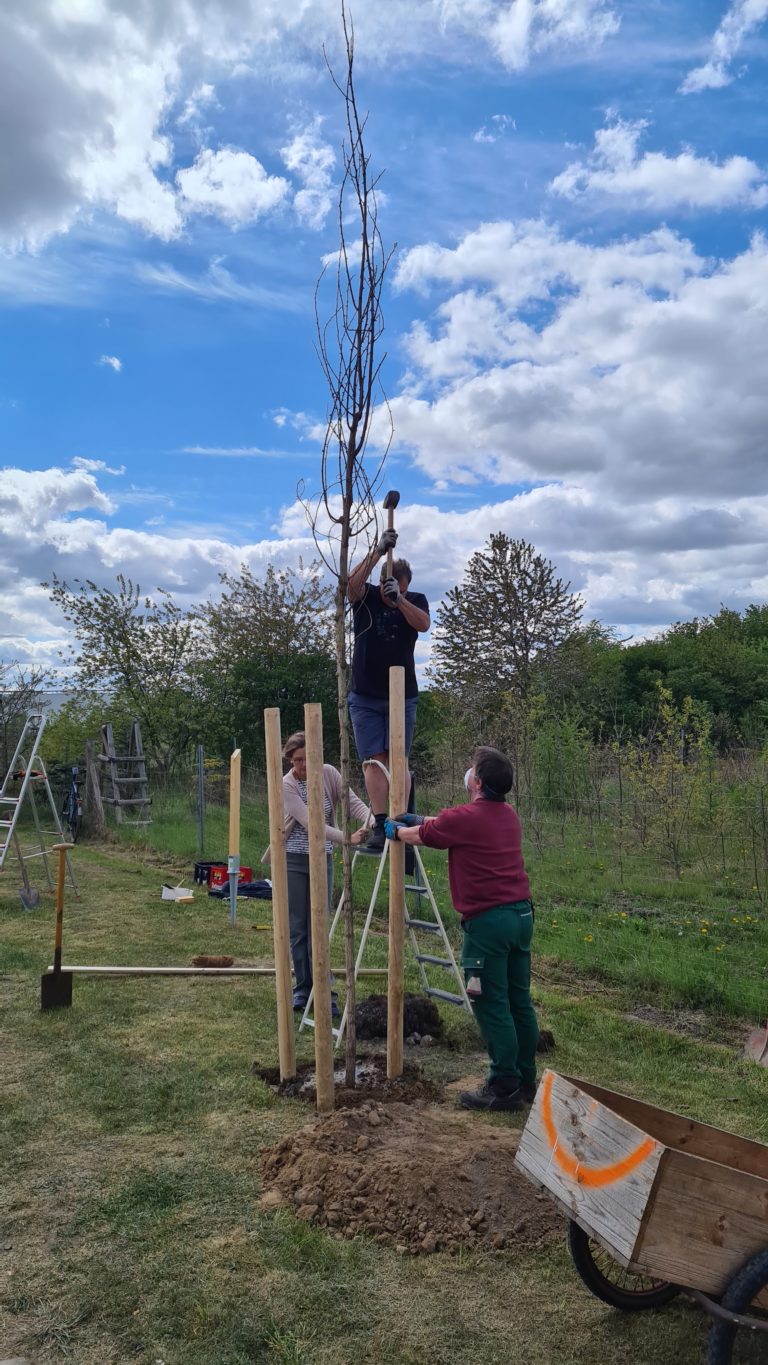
x: 390, y: 828
x: 408, y: 818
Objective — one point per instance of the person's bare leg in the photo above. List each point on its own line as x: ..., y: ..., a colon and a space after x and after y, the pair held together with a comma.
x: 376, y: 783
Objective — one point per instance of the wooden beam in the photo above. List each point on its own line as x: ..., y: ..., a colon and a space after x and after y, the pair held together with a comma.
x: 318, y: 893
x: 286, y: 1043
x: 197, y: 971
x: 398, y: 800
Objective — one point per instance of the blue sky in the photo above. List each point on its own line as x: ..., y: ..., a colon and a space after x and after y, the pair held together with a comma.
x: 577, y: 310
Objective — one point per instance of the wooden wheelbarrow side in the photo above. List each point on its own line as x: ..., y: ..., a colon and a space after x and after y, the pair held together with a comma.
x: 675, y: 1199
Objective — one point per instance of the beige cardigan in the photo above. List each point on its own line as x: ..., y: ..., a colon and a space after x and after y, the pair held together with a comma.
x: 295, y: 809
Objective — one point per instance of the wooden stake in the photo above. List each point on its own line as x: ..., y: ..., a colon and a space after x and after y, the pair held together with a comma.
x: 398, y: 800
x: 318, y: 892
x: 233, y: 865
x: 286, y: 1042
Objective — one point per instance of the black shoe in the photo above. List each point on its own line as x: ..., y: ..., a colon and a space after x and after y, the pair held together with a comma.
x: 528, y: 1091
x: 299, y: 1004
x: 508, y: 1102
x: 376, y: 842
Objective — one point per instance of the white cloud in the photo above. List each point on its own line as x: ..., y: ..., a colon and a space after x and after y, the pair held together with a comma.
x: 89, y: 91
x: 525, y: 28
x: 241, y: 452
x: 741, y: 19
x: 499, y: 123
x: 312, y: 161
x: 202, y: 96
x: 232, y: 185
x: 616, y: 170
x: 622, y: 369
x: 218, y: 283
x: 112, y: 361
x: 96, y: 466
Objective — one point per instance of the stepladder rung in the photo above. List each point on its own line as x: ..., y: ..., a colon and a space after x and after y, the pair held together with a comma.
x: 417, y: 890
x: 435, y: 961
x: 445, y: 995
x: 9, y: 800
x: 427, y: 926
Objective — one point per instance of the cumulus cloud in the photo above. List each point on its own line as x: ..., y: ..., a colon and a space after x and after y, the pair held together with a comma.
x: 741, y: 19
x: 616, y: 170
x: 312, y: 161
x: 232, y: 185
x: 112, y: 361
x: 625, y: 368
x: 90, y: 92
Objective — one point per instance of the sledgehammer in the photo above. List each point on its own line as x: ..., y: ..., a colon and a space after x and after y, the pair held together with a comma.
x: 390, y: 503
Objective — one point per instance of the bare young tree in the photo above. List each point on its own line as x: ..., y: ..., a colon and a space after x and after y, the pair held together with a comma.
x: 344, y: 513
x: 21, y: 691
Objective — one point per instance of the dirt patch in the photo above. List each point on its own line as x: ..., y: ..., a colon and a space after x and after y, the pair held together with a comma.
x: 371, y: 1078
x: 420, y: 1016
x: 413, y: 1177
x: 693, y: 1024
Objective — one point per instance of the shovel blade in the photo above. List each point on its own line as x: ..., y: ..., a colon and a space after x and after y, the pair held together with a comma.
x: 55, y: 990
x: 757, y: 1046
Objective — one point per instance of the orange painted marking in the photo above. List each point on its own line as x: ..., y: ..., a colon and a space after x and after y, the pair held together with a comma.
x: 595, y: 1177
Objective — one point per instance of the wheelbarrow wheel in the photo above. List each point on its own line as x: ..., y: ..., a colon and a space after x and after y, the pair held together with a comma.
x: 739, y: 1296
x: 609, y: 1281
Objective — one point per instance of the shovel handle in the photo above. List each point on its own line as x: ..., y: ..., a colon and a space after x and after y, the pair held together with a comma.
x: 61, y: 849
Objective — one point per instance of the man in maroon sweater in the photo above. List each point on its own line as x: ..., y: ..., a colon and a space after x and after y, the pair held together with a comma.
x: 490, y: 890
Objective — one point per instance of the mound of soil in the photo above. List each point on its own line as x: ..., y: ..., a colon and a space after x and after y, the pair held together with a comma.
x: 413, y: 1177
x: 420, y: 1015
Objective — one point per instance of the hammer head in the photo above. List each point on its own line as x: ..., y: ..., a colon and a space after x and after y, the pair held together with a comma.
x: 391, y: 500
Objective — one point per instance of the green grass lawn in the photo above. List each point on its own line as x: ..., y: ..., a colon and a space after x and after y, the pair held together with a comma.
x: 131, y: 1125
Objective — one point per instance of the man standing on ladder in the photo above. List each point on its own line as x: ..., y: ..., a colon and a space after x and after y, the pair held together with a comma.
x: 387, y: 620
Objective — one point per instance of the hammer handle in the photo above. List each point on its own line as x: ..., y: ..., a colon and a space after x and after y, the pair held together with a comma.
x: 390, y: 527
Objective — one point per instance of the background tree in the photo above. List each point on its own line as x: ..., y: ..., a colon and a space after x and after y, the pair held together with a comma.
x: 21, y: 691
x: 348, y: 349
x: 134, y: 652
x: 509, y: 614
x: 287, y: 611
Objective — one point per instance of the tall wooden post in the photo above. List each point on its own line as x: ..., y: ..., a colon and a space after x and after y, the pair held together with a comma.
x: 286, y: 1043
x: 318, y: 894
x: 233, y: 865
x: 398, y: 800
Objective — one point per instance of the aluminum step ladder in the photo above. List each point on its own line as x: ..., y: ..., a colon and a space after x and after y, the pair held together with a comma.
x: 423, y: 900
x: 28, y: 769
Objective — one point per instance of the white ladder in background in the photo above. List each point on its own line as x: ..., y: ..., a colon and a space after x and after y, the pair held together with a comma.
x: 28, y: 769
x: 445, y: 960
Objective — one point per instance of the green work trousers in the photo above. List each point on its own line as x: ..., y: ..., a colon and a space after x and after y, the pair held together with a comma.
x: 497, y: 950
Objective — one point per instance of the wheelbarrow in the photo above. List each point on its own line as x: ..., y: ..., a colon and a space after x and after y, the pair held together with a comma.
x: 657, y: 1205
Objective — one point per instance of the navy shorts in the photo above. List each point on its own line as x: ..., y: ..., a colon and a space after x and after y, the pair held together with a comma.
x: 370, y: 722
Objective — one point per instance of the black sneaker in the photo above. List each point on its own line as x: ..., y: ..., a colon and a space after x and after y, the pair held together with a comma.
x: 491, y: 1100
x: 528, y: 1091
x: 298, y: 1003
x: 376, y: 842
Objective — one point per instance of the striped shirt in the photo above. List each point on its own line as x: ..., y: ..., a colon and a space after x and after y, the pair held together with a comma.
x: 298, y: 841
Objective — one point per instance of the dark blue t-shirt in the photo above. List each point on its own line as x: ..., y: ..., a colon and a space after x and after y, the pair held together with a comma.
x: 383, y: 640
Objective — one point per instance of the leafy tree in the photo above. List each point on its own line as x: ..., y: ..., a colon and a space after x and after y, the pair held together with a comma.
x: 288, y: 610
x: 506, y: 618
x: 233, y: 698
x: 135, y: 650
x: 20, y: 692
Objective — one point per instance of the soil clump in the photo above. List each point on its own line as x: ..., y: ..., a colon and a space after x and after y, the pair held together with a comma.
x: 413, y: 1177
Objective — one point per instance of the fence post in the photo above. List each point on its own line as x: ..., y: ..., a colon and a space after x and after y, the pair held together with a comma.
x: 233, y: 865
x: 200, y: 800
x: 398, y: 772
x: 318, y: 892
x: 286, y: 1043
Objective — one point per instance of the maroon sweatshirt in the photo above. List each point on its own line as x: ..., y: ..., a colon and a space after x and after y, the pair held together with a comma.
x: 485, y: 857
